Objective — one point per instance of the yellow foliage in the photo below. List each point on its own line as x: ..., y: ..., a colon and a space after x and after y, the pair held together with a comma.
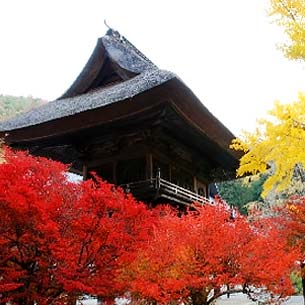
x: 290, y: 14
x: 277, y: 144
x: 292, y: 208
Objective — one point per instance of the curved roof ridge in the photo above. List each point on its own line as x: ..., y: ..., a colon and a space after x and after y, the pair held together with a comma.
x: 123, y: 39
x: 114, y: 57
x: 127, y: 56
x: 88, y: 73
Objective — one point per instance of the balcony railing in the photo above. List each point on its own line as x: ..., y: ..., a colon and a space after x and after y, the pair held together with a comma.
x: 158, y: 188
x: 177, y: 191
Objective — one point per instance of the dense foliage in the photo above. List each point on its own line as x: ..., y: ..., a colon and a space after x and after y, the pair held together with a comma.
x: 60, y: 240
x: 242, y: 192
x: 13, y: 105
x: 206, y: 253
x: 292, y: 218
x: 277, y: 144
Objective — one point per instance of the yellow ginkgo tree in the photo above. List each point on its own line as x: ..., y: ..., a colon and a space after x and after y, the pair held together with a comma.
x: 290, y: 15
x: 277, y: 144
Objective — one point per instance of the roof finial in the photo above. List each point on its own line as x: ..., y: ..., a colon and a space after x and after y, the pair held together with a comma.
x: 114, y: 33
x: 109, y: 28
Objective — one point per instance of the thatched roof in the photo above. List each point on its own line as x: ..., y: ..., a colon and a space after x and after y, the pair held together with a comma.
x: 119, y: 84
x: 114, y: 61
x: 88, y: 101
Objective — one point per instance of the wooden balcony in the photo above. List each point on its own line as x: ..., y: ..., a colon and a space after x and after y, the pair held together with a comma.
x: 161, y: 190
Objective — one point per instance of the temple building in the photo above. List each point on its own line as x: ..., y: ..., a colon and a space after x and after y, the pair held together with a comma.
x: 134, y: 125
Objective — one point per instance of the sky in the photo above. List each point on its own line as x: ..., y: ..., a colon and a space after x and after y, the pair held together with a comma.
x: 225, y: 51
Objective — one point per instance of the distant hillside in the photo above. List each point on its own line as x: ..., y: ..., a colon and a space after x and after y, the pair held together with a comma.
x: 13, y: 105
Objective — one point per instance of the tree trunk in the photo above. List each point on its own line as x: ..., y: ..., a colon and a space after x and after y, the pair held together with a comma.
x: 72, y: 300
x: 25, y: 301
x: 303, y: 280
x: 199, y: 297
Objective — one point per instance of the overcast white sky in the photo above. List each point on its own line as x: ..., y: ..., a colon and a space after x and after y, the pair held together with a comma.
x: 225, y: 51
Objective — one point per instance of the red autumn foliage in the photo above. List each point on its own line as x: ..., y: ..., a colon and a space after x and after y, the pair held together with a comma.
x: 190, y: 258
x: 60, y: 239
x: 292, y: 218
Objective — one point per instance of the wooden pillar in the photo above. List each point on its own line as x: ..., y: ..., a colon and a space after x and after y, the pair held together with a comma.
x: 149, y: 166
x: 195, y: 184
x: 85, y: 170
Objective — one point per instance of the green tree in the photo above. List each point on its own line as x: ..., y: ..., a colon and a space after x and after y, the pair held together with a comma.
x: 241, y: 191
x: 14, y: 105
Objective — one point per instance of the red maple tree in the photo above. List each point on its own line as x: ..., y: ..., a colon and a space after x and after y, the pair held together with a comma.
x: 291, y: 216
x: 60, y: 239
x: 206, y: 253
